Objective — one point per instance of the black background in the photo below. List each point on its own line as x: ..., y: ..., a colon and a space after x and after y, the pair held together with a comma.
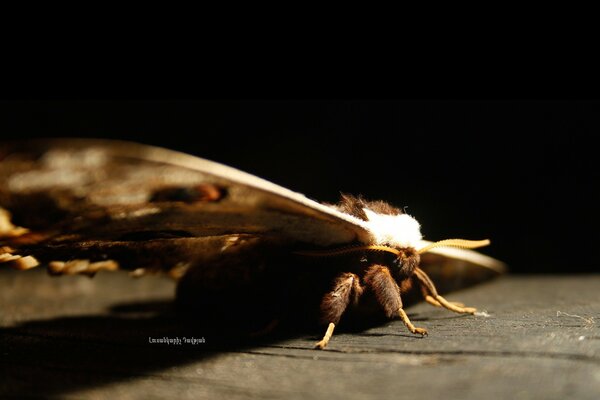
x: 522, y: 173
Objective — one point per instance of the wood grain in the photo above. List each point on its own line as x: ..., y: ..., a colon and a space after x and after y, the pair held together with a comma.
x: 75, y: 337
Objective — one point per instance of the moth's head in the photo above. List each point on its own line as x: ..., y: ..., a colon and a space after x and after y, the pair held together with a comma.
x: 407, y: 259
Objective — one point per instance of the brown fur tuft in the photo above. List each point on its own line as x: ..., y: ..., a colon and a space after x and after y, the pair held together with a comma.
x: 354, y: 205
x: 346, y: 289
x: 410, y: 260
x: 385, y: 288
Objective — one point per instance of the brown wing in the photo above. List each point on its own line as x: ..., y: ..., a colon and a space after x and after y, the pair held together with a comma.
x: 97, y: 199
x: 149, y: 207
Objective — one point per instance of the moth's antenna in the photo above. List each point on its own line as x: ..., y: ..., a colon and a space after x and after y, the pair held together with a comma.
x: 346, y: 250
x: 460, y: 243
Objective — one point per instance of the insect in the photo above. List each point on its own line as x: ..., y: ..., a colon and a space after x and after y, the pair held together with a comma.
x: 80, y: 206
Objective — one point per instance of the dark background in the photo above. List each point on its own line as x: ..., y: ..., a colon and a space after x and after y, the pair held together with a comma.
x: 522, y: 173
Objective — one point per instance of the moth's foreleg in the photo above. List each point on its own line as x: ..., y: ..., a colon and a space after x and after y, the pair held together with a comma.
x: 346, y: 290
x: 379, y: 279
x: 432, y: 297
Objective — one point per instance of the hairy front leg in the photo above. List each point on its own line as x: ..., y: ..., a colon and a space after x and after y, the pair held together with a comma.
x: 379, y: 279
x: 346, y: 290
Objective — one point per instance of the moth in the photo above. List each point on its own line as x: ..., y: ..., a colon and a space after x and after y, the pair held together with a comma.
x: 81, y: 206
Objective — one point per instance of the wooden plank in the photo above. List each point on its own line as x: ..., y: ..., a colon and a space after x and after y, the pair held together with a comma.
x: 77, y: 337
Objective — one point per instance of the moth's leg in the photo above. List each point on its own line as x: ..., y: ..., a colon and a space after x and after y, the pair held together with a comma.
x: 387, y: 292
x: 346, y: 290
x: 428, y: 298
x: 83, y: 267
x: 432, y: 296
x: 436, y: 303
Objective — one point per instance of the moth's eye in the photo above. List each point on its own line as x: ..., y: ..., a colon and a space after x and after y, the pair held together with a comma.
x: 398, y: 262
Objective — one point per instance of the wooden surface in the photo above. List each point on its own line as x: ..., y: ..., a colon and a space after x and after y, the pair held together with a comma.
x: 77, y: 337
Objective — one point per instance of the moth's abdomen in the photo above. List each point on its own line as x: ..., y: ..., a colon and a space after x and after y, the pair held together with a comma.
x: 247, y: 288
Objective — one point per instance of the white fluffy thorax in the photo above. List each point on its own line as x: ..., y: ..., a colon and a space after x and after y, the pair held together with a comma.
x: 393, y: 230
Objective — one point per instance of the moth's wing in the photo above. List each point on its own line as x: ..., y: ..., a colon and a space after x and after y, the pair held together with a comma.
x: 453, y: 268
x: 136, y: 204
x: 96, y: 199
